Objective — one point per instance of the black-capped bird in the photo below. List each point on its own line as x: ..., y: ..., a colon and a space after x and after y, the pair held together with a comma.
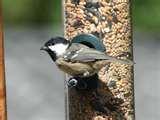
x: 77, y: 59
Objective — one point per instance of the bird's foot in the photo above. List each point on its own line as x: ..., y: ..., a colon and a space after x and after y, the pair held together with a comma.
x: 77, y: 83
x: 83, y: 83
x: 72, y: 82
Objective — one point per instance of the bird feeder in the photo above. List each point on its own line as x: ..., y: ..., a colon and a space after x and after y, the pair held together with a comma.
x: 110, y: 22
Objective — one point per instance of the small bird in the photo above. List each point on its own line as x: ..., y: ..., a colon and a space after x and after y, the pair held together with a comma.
x: 81, y: 58
x: 77, y: 59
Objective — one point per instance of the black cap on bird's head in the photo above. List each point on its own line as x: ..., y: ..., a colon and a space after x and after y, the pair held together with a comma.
x: 55, y: 47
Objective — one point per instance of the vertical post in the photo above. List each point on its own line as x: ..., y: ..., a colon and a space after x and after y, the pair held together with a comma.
x: 2, y: 76
x: 109, y: 20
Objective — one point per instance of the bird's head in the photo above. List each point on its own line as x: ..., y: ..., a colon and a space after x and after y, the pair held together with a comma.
x: 56, y: 47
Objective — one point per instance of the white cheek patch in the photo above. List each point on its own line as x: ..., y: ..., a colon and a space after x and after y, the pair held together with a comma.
x: 59, y: 49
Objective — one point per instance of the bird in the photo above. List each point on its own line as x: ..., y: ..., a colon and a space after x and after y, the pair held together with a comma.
x: 76, y: 58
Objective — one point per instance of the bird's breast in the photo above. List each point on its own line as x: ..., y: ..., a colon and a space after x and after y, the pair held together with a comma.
x: 74, y: 68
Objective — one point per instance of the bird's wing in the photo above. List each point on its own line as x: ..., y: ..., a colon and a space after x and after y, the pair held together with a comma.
x: 82, y: 53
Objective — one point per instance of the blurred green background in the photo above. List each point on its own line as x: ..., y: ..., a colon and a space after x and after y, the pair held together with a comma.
x: 31, y: 12
x: 146, y: 14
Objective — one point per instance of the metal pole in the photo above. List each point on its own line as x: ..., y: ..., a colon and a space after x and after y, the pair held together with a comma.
x: 109, y: 20
x: 2, y: 72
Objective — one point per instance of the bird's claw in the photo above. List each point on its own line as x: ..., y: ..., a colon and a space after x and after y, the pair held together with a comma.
x: 72, y: 82
x: 78, y: 83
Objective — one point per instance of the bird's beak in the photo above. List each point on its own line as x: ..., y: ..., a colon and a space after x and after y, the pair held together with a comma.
x: 44, y: 48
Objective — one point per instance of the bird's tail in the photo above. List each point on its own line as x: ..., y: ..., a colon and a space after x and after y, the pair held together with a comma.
x: 127, y: 61
x: 100, y: 64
